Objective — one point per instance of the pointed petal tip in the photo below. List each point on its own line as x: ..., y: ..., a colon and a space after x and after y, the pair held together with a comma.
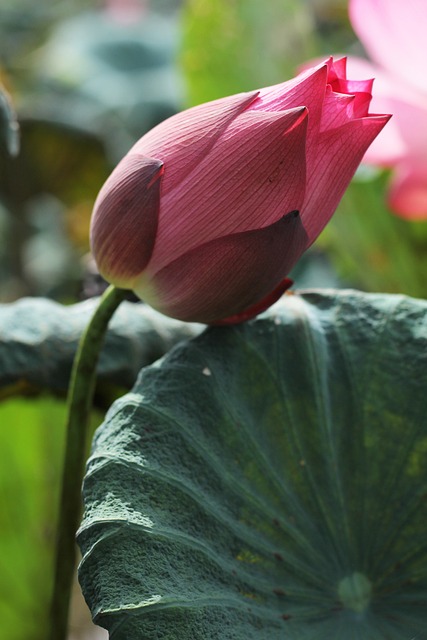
x: 318, y: 69
x: 301, y: 112
x: 158, y: 173
x: 378, y: 119
x: 294, y: 118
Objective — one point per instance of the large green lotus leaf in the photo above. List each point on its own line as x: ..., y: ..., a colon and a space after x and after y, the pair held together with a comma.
x: 268, y: 481
x: 39, y: 337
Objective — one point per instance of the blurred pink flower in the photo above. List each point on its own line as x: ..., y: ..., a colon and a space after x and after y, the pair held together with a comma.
x: 208, y: 212
x: 126, y: 11
x: 394, y: 35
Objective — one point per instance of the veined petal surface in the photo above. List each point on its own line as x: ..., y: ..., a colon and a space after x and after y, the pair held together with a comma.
x: 307, y: 89
x: 227, y: 275
x: 125, y: 219
x: 338, y: 155
x: 186, y: 138
x: 253, y: 176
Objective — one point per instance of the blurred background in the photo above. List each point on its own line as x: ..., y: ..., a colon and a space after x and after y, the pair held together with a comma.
x: 86, y: 80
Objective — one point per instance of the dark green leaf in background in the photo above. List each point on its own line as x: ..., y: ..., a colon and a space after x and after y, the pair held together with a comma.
x: 112, y: 77
x: 9, y: 128
x: 268, y: 481
x: 38, y: 341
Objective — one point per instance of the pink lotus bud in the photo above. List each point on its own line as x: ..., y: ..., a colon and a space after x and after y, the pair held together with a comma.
x: 208, y: 212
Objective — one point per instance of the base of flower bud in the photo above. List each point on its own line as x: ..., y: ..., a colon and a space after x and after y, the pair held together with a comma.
x: 257, y: 308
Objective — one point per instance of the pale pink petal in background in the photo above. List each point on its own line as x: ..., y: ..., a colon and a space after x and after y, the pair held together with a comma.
x: 406, y: 133
x: 393, y: 33
x: 408, y: 190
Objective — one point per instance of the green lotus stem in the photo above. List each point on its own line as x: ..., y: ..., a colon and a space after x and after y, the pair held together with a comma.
x: 80, y: 396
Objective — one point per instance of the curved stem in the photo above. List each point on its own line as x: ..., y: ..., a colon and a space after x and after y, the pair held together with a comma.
x: 82, y: 385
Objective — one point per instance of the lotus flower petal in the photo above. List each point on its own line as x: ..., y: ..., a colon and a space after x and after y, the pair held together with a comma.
x: 328, y: 180
x: 394, y: 34
x: 338, y: 108
x: 125, y: 217
x: 307, y: 89
x: 406, y: 132
x: 253, y: 175
x: 242, y: 266
x: 258, y: 307
x: 188, y: 137
x: 212, y: 241
x: 408, y: 191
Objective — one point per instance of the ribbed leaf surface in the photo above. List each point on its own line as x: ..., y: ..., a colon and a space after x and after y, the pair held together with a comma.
x: 268, y: 481
x: 39, y: 338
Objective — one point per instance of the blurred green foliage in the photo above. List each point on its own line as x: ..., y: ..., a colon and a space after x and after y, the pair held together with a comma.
x: 87, y: 81
x: 9, y: 128
x: 29, y: 480
x: 31, y: 442
x: 370, y: 246
x: 240, y: 45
